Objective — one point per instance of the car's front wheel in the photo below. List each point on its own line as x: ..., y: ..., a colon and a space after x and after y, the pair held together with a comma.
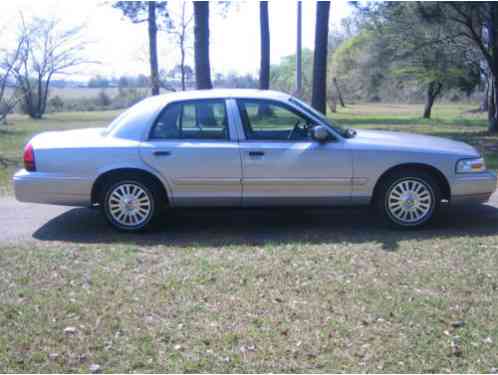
x: 129, y: 205
x: 409, y: 199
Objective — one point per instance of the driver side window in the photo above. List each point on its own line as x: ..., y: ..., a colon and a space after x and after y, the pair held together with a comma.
x: 266, y: 120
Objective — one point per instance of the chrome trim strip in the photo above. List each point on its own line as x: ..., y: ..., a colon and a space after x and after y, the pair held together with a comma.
x: 207, y: 181
x: 297, y: 181
x: 359, y: 181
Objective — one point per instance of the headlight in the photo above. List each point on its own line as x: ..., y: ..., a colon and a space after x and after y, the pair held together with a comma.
x: 471, y: 166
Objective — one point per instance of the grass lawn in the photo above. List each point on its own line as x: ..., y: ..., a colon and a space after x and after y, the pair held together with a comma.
x: 290, y: 290
x: 294, y: 291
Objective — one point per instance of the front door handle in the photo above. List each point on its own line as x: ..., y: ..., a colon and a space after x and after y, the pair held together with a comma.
x: 256, y: 153
x: 161, y: 153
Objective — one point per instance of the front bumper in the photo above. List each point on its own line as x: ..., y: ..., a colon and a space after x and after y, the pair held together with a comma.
x: 473, y: 188
x: 50, y: 188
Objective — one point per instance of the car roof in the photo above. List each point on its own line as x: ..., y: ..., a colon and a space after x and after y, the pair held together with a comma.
x: 143, y: 113
x: 223, y: 93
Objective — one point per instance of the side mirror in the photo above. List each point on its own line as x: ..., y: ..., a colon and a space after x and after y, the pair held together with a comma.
x: 320, y: 134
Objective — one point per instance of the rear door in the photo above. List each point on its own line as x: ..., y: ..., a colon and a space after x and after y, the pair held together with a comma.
x: 194, y: 147
x: 283, y: 165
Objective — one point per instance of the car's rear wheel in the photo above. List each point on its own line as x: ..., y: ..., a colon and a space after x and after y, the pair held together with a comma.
x: 130, y: 205
x: 409, y: 199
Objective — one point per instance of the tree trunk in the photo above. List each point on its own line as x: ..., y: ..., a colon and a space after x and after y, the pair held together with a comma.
x: 339, y: 95
x: 483, y: 107
x: 492, y: 27
x: 332, y: 103
x: 433, y: 90
x: 182, y: 62
x: 299, y: 61
x: 154, y: 66
x: 319, y: 96
x: 182, y: 47
x: 492, y: 108
x: 201, y: 50
x: 264, y: 67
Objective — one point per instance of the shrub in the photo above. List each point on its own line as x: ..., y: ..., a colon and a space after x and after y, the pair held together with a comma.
x: 103, y: 100
x: 55, y: 104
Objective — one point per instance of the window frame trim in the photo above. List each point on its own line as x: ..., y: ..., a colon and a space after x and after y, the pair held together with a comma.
x: 228, y: 137
x: 286, y: 106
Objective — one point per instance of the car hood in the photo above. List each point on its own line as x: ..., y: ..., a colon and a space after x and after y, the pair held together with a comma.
x: 412, y: 142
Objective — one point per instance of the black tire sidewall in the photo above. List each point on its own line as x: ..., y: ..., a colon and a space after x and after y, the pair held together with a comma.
x: 136, y: 228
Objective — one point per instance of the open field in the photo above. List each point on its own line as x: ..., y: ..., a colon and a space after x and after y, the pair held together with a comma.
x: 239, y: 291
x: 247, y: 291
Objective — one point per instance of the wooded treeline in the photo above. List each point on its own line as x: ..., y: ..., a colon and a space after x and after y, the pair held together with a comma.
x: 386, y: 51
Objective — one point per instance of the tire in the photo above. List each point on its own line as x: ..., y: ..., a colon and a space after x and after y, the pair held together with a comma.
x: 131, y: 204
x: 408, y: 199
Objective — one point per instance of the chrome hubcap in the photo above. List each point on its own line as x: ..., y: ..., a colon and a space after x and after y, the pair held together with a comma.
x: 409, y: 201
x: 129, y: 204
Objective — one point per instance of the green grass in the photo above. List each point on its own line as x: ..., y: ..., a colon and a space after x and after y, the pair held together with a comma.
x: 295, y: 292
x: 337, y: 304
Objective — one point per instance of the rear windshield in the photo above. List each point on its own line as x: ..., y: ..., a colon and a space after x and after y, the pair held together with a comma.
x: 124, y: 116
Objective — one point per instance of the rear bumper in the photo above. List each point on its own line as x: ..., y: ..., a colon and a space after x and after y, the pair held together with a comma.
x: 49, y: 188
x: 476, y: 188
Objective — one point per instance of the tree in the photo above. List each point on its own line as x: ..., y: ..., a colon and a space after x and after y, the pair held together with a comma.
x: 201, y: 48
x: 264, y: 69
x: 98, y: 82
x: 477, y: 23
x: 124, y: 82
x: 147, y: 11
x: 9, y: 62
x: 299, y: 59
x: 426, y: 52
x: 397, y: 49
x: 319, y: 96
x: 283, y: 75
x: 47, y: 50
x: 183, y: 74
x: 181, y: 30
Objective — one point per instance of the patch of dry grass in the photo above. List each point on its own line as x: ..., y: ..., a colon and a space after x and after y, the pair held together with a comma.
x: 307, y: 298
x: 251, y: 293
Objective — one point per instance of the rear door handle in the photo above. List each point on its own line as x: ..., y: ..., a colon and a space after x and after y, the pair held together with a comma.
x: 256, y: 153
x: 161, y: 153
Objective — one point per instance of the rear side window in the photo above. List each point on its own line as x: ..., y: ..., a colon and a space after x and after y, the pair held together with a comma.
x: 199, y: 119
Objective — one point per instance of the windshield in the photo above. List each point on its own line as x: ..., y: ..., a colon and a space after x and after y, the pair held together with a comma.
x: 310, y: 110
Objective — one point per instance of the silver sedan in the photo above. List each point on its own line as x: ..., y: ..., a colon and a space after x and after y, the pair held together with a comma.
x: 246, y: 148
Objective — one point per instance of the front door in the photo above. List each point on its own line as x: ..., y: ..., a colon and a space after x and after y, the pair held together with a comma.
x: 193, y: 147
x: 283, y: 165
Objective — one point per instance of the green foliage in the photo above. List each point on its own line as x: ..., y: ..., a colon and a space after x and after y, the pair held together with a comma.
x: 396, y: 55
x: 55, y: 104
x: 98, y: 81
x: 283, y: 75
x: 103, y: 99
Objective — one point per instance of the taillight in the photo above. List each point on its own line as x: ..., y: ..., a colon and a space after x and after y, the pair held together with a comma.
x: 29, y: 158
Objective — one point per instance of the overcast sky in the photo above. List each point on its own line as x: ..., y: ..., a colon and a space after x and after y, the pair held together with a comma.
x: 121, y: 47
